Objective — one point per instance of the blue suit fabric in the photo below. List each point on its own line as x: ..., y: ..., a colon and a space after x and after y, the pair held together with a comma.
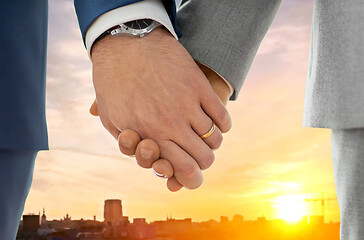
x: 23, y: 128
x: 16, y: 176
x: 23, y: 51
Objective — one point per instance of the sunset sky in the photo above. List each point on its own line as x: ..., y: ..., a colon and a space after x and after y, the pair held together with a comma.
x: 265, y: 157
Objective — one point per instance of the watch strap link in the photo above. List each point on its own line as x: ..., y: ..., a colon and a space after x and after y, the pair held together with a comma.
x: 104, y: 34
x: 110, y: 30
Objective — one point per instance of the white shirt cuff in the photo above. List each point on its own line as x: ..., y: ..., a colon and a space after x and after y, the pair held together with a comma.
x: 153, y: 9
x: 178, y: 3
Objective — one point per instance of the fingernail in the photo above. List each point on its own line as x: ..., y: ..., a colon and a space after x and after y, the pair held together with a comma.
x: 146, y: 153
x: 159, y: 174
x: 126, y: 142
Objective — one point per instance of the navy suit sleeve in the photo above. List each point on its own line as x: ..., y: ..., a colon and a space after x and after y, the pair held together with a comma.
x: 88, y: 10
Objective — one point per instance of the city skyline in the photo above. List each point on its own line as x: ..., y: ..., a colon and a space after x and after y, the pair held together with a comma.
x: 116, y: 225
x: 230, y: 219
x: 259, y: 163
x: 287, y: 219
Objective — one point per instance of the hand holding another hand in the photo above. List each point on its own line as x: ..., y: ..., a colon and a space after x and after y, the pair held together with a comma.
x: 153, y: 86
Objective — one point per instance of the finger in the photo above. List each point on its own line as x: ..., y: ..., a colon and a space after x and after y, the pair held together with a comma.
x: 215, y: 139
x: 110, y: 127
x: 216, y: 110
x: 173, y: 185
x: 192, y: 144
x: 186, y: 170
x: 202, y: 126
x: 163, y: 167
x: 93, y: 109
x: 128, y: 140
x: 146, y: 153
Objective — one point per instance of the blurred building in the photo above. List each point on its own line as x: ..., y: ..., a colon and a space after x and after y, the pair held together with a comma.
x: 171, y: 227
x: 113, y: 212
x: 30, y: 223
x: 224, y: 220
x: 261, y: 220
x: 238, y: 219
x: 140, y: 229
x: 316, y: 220
x: 116, y: 224
x: 45, y: 227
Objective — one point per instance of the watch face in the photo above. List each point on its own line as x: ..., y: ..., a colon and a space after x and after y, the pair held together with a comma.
x: 139, y: 24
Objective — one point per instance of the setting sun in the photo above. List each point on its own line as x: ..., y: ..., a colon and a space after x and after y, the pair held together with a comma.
x: 291, y: 208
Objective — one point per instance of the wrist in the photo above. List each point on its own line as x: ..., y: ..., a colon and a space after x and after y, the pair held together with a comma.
x: 110, y: 43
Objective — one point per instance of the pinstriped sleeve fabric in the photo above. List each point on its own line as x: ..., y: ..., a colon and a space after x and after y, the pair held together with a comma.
x: 226, y: 34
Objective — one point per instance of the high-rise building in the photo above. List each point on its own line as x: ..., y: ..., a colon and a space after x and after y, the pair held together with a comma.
x: 113, y: 212
x: 30, y: 223
x: 238, y: 219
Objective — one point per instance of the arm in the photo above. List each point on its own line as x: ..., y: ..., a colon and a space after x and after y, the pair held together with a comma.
x: 152, y: 85
x: 233, y: 30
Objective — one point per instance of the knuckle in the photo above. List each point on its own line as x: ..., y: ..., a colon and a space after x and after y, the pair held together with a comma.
x: 168, y: 124
x: 170, y: 121
x: 189, y: 171
x: 223, y: 118
x: 195, y: 184
x: 216, y: 141
x: 207, y: 161
x: 147, y: 130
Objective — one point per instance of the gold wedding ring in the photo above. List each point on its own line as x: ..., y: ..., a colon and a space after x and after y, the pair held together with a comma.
x: 210, y: 132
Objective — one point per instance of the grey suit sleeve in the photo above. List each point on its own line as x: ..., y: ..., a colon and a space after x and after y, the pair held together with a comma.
x: 225, y: 34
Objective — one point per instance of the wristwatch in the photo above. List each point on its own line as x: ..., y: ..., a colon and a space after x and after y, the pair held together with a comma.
x: 139, y: 27
x: 136, y: 28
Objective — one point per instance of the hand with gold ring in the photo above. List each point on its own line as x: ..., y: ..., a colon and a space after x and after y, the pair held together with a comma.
x: 147, y: 151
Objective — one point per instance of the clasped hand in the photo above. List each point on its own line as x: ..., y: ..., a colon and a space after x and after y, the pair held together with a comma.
x: 157, y: 102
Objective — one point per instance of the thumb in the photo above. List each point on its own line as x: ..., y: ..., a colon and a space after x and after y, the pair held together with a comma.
x: 93, y: 109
